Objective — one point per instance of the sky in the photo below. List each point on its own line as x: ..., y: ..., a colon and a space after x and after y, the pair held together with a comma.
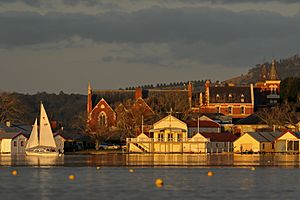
x: 61, y: 45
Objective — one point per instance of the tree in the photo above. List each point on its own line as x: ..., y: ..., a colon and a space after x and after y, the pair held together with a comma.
x: 286, y: 115
x: 125, y: 122
x: 11, y: 108
x: 290, y: 89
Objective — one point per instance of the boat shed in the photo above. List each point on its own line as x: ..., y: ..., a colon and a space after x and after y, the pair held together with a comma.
x: 13, y: 143
x: 256, y: 142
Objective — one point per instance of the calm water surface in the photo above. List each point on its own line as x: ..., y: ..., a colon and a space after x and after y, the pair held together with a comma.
x: 185, y: 177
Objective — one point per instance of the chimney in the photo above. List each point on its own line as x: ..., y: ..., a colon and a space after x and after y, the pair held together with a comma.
x: 138, y: 93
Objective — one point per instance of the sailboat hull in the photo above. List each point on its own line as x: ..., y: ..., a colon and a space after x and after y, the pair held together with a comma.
x: 32, y: 153
x: 41, y: 151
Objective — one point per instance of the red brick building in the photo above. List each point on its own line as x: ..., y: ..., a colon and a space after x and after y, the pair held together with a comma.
x: 234, y: 101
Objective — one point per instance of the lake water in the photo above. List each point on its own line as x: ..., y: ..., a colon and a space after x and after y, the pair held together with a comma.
x: 185, y: 177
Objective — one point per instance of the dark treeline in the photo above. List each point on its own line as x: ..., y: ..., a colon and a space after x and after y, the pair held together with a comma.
x: 172, y: 85
x: 60, y: 107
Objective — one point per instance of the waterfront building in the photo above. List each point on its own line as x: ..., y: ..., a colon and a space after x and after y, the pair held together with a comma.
x: 170, y: 135
x: 256, y: 142
x: 288, y: 142
x: 13, y: 143
x: 68, y: 141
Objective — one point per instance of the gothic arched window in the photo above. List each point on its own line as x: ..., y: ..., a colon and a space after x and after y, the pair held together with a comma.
x: 102, y: 119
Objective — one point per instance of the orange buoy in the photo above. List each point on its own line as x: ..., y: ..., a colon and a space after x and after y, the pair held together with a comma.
x: 14, y: 172
x: 210, y: 173
x: 159, y: 182
x: 71, y: 177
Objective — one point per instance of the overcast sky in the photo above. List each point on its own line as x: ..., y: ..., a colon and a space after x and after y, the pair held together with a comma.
x: 60, y: 45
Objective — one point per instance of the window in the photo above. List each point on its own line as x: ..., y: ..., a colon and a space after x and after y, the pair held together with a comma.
x: 160, y: 137
x: 102, y: 119
x: 22, y: 143
x: 229, y: 110
x: 170, y: 137
x: 273, y: 146
x: 218, y: 109
x: 217, y: 97
x: 242, y: 98
x: 263, y: 146
x: 230, y: 97
x: 179, y: 137
x: 242, y: 110
x: 15, y: 143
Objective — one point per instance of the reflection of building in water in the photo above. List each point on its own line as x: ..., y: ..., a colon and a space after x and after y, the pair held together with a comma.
x: 286, y: 142
x: 170, y: 135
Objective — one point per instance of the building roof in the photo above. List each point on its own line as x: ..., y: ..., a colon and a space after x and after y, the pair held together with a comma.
x: 250, y: 120
x: 11, y: 135
x: 230, y: 94
x: 265, y: 136
x: 220, y: 137
x: 202, y: 123
x: 68, y: 135
x: 15, y: 128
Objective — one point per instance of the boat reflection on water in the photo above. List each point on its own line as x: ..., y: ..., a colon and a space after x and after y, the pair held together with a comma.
x: 43, y: 161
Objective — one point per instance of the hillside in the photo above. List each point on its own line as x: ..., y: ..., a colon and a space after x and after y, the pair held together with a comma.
x: 289, y: 67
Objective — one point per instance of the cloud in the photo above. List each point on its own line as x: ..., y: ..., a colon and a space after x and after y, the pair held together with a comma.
x: 156, y: 25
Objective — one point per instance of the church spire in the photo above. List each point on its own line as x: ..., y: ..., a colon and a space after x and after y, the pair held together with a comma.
x: 89, y: 99
x: 263, y: 72
x: 273, y: 71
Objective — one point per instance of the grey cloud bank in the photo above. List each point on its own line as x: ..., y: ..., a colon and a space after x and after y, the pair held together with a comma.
x: 155, y: 44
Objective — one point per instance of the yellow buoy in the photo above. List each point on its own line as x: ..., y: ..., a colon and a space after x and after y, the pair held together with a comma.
x: 98, y: 168
x: 131, y: 170
x: 210, y: 173
x: 14, y: 172
x: 253, y: 168
x: 159, y: 182
x: 71, y: 177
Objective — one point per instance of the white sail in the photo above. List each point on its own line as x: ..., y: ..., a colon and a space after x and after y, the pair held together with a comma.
x: 46, y: 135
x: 33, y: 140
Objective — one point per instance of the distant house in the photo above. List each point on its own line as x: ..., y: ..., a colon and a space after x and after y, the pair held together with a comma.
x: 13, y: 143
x: 287, y: 142
x: 252, y: 123
x: 256, y: 142
x: 67, y: 141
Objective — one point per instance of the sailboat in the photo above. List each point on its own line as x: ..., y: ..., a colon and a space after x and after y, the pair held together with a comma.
x: 41, y: 142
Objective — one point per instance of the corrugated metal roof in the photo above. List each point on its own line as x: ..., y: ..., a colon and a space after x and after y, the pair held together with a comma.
x: 265, y: 136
